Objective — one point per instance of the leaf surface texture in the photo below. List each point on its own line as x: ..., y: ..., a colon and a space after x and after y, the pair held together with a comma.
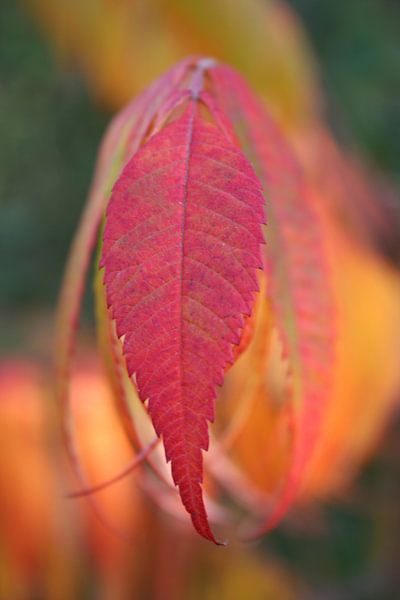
x: 181, y: 247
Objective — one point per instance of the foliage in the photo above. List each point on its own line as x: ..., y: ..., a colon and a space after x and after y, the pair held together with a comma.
x: 347, y: 551
x: 181, y: 241
x: 55, y: 547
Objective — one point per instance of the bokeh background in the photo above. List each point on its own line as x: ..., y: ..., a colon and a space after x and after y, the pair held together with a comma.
x: 50, y: 129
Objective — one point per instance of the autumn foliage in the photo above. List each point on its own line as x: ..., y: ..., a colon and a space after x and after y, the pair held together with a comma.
x: 244, y: 270
x: 194, y: 293
x: 52, y: 545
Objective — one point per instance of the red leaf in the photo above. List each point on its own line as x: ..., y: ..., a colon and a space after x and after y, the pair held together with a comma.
x: 122, y: 139
x: 181, y: 248
x: 297, y: 270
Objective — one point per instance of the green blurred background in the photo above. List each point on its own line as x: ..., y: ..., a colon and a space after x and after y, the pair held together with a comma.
x: 49, y: 133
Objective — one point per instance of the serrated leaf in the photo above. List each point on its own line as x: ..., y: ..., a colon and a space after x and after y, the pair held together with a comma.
x: 297, y: 270
x: 122, y: 139
x: 181, y: 247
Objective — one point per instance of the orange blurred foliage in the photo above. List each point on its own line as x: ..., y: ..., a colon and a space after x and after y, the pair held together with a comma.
x: 54, y: 547
x: 120, y: 46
